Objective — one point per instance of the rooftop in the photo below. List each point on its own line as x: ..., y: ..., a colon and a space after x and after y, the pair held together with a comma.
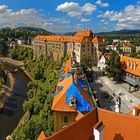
x: 79, y: 37
x: 98, y: 39
x: 67, y: 89
x: 116, y: 127
x: 130, y: 64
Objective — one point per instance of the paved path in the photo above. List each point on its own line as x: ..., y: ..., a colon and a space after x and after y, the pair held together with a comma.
x: 129, y: 99
x: 103, y: 83
x: 100, y: 87
x: 13, y: 111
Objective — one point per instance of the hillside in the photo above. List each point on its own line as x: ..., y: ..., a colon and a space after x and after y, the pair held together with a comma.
x: 120, y: 32
x: 32, y: 29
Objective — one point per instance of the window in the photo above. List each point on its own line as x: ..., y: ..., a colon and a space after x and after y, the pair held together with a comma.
x: 65, y: 119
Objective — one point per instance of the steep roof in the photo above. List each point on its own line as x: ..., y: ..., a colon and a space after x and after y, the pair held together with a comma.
x: 79, y: 130
x: 136, y: 108
x: 79, y: 116
x: 130, y: 64
x: 117, y: 127
x: 98, y: 39
x: 70, y: 89
x: 59, y: 101
x: 60, y: 38
x: 42, y: 136
x: 85, y: 32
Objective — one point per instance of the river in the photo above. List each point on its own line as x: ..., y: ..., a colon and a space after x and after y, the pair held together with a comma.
x: 12, y: 112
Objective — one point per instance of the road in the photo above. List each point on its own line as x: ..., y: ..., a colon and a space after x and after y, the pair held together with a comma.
x: 100, y: 87
x: 12, y: 112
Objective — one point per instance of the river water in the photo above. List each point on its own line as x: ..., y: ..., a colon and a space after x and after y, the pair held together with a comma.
x: 12, y: 112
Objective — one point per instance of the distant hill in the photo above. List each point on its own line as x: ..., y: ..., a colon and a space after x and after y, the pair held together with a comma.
x: 125, y: 31
x: 70, y: 33
x: 32, y: 29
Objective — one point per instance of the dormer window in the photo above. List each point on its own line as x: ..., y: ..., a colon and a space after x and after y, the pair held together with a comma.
x: 73, y: 102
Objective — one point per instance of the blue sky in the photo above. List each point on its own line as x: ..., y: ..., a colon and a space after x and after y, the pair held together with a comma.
x: 71, y: 15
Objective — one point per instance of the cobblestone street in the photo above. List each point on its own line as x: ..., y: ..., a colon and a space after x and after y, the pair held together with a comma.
x: 103, y: 83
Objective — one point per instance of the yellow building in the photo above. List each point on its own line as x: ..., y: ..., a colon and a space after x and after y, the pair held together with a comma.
x: 58, y: 46
x: 99, y: 44
x: 69, y: 99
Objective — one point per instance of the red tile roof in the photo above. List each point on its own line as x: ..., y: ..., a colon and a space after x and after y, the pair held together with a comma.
x: 130, y: 64
x: 79, y: 37
x: 79, y: 116
x: 117, y: 127
x: 59, y: 101
x: 42, y: 136
x: 60, y: 38
x: 85, y: 32
x: 136, y: 108
x: 79, y: 130
x: 98, y: 39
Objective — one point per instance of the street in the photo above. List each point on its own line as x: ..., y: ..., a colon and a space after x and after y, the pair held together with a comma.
x: 100, y: 88
x: 103, y: 84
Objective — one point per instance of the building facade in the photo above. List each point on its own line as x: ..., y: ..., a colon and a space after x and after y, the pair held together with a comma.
x: 70, y: 98
x: 131, y: 71
x: 57, y: 46
x: 99, y: 44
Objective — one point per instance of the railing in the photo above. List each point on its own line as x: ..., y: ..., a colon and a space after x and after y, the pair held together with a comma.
x: 91, y: 94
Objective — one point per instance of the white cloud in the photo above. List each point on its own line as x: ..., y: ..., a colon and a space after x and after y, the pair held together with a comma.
x: 73, y: 9
x: 3, y: 8
x: 103, y: 20
x: 100, y: 3
x: 89, y: 8
x: 85, y: 20
x: 68, y: 6
x: 74, y: 14
x: 31, y: 17
x: 128, y: 18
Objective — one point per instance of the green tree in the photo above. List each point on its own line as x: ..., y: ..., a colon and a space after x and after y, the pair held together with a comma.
x: 119, y: 48
x: 39, y: 101
x: 87, y: 63
x: 133, y: 51
x: 38, y: 72
x: 113, y: 67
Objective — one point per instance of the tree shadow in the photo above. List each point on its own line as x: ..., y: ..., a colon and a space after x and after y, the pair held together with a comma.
x: 7, y: 112
x: 10, y: 105
x: 118, y: 137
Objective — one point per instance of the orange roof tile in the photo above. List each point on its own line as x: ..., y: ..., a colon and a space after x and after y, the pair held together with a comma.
x: 79, y: 130
x: 98, y: 39
x: 60, y: 38
x: 85, y: 32
x: 130, y: 64
x: 85, y: 95
x: 137, y: 108
x: 59, y: 101
x: 117, y: 126
x: 79, y: 116
x: 42, y: 136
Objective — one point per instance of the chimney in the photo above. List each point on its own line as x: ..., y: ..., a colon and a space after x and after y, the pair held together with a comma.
x: 99, y: 131
x: 135, y: 111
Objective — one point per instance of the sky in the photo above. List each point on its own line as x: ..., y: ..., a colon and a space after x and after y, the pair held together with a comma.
x: 71, y: 15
